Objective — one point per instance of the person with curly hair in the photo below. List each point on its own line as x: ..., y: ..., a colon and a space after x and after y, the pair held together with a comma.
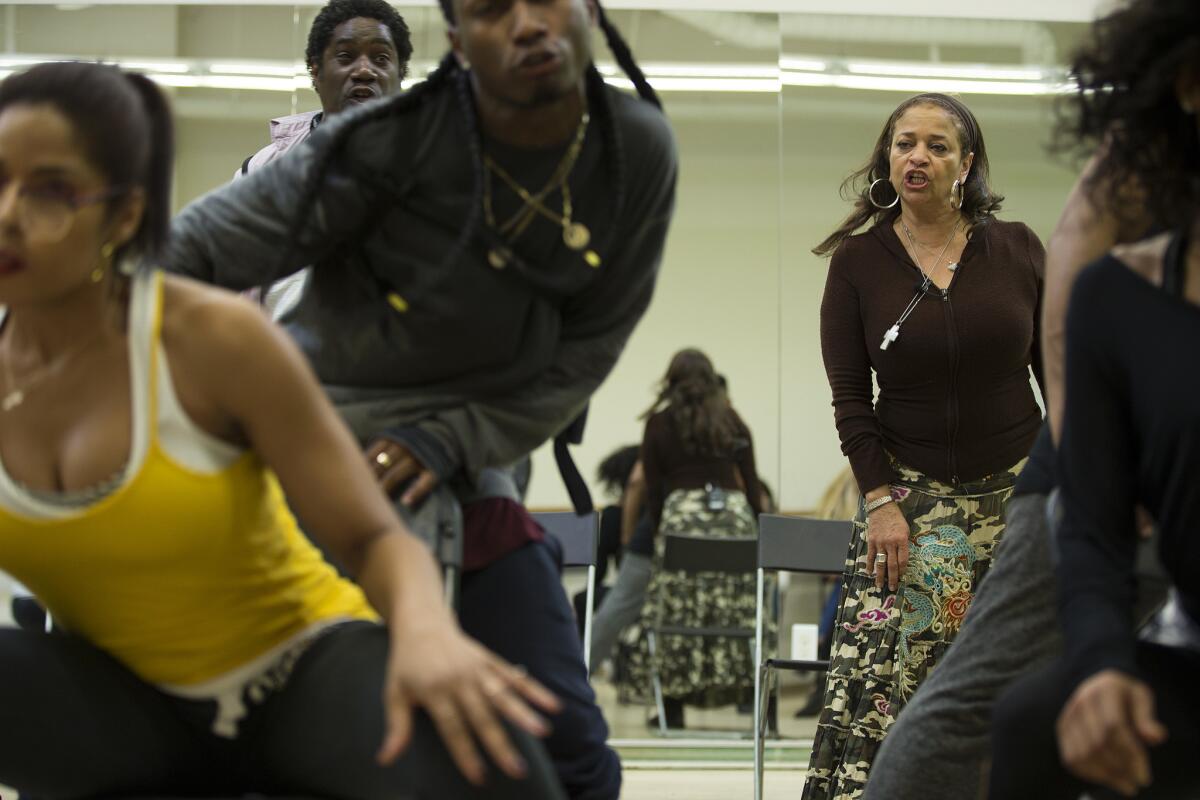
x: 1117, y: 712
x: 358, y: 51
x: 938, y: 303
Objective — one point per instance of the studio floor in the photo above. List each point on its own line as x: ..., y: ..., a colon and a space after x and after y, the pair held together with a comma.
x: 714, y: 759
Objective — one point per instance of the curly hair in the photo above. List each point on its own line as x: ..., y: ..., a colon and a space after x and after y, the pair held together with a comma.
x: 614, y: 471
x: 691, y: 393
x: 339, y: 11
x: 1126, y: 108
x: 979, y: 204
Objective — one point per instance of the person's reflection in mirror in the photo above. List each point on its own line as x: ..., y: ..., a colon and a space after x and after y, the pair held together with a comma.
x: 701, y: 480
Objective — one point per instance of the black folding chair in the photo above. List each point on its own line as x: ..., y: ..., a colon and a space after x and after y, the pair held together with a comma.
x: 695, y: 554
x: 579, y: 535
x: 789, y: 544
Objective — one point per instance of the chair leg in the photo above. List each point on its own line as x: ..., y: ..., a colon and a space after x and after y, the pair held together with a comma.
x: 587, y: 618
x: 764, y: 682
x: 652, y: 643
x: 450, y: 578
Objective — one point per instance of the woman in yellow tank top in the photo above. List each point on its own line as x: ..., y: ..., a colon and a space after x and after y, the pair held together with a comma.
x: 149, y: 430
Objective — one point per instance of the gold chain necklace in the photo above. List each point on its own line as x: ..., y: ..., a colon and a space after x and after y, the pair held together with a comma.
x: 14, y: 395
x: 575, y: 235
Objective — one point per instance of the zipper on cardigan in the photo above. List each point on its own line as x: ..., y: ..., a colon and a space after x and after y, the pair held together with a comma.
x: 952, y: 396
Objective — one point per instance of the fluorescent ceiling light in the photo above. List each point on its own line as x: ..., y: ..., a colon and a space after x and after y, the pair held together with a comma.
x: 917, y: 84
x: 265, y: 69
x: 803, y: 65
x: 243, y: 82
x: 280, y: 76
x: 970, y: 72
x: 741, y: 85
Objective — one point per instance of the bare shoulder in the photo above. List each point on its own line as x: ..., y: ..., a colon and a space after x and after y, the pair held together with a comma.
x: 221, y: 344
x: 199, y: 319
x: 1144, y: 258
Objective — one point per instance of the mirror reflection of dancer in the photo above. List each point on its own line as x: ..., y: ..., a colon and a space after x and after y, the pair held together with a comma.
x: 204, y: 645
x: 483, y: 246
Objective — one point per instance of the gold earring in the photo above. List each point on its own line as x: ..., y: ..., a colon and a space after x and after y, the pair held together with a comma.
x: 106, y: 257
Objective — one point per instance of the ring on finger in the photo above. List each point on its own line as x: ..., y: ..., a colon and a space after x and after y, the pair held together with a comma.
x: 384, y: 459
x: 881, y: 558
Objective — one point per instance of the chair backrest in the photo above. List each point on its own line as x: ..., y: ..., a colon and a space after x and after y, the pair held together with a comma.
x: 685, y: 553
x: 801, y: 544
x: 579, y: 535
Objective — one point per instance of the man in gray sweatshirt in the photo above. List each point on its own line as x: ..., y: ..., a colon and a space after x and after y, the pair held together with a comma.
x: 481, y: 248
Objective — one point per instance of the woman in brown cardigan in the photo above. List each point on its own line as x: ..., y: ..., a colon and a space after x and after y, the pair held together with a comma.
x: 939, y: 300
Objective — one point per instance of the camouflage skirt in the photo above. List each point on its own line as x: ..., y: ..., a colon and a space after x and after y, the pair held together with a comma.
x: 705, y: 672
x: 884, y: 643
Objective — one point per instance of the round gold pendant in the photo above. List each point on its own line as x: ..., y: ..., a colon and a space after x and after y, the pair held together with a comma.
x: 576, y: 235
x: 498, y: 258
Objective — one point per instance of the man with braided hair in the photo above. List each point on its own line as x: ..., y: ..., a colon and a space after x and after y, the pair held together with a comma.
x: 482, y: 247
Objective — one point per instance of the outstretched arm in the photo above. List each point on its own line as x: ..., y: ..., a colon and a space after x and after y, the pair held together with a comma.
x: 257, y: 384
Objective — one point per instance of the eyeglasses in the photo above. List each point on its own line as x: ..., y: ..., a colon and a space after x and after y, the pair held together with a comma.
x: 45, y: 212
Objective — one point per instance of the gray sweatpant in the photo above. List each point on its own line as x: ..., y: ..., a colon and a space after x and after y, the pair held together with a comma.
x: 938, y: 745
x: 622, y: 606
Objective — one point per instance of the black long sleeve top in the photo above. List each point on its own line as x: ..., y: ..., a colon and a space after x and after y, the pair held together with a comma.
x: 669, y: 466
x: 1131, y: 436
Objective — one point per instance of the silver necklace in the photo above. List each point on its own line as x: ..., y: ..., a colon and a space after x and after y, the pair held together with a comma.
x: 952, y: 266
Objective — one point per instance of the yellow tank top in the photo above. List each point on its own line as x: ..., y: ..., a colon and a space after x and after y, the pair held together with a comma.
x: 181, y: 575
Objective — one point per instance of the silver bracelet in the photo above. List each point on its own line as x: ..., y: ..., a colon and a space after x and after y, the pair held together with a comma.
x: 879, y: 502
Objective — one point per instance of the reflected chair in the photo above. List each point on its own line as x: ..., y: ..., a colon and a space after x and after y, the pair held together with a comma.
x: 789, y: 544
x: 579, y: 535
x: 692, y: 555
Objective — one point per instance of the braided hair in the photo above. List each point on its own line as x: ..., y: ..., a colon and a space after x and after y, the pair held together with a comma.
x: 449, y: 72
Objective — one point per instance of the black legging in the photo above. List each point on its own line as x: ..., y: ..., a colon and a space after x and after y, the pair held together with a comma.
x: 1025, y: 762
x: 76, y: 723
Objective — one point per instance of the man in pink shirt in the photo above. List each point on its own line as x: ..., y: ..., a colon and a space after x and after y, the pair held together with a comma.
x: 358, y: 51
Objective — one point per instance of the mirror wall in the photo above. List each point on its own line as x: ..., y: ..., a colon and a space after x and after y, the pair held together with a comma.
x: 771, y: 112
x: 841, y: 78
x: 232, y: 68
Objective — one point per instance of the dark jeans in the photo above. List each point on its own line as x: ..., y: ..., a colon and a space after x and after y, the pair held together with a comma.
x: 516, y: 607
x: 76, y: 723
x: 1025, y: 761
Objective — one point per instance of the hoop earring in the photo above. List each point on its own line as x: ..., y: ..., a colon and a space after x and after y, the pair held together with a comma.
x: 871, y: 195
x: 106, y: 257
x: 960, y: 189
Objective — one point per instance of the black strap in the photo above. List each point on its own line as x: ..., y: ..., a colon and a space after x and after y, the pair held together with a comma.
x: 246, y: 165
x: 1175, y: 264
x: 577, y: 488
